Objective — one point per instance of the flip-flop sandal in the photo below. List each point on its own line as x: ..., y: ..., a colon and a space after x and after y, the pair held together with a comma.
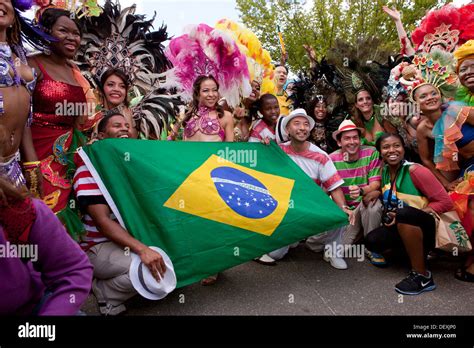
x: 463, y: 275
x: 211, y: 280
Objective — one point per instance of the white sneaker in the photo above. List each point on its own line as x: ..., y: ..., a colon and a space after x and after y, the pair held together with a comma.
x: 265, y: 260
x: 105, y: 308
x: 108, y: 310
x: 336, y: 262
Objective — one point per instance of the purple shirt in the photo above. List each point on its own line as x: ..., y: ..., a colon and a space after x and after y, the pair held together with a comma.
x: 64, y: 268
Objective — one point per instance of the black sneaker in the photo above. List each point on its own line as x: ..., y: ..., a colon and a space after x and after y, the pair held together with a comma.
x: 415, y: 284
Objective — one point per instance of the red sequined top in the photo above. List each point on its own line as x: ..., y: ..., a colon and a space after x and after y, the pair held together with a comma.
x: 56, y: 104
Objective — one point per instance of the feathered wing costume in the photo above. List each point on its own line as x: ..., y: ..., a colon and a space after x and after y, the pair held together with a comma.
x: 446, y: 28
x: 124, y: 40
x: 203, y: 50
x: 323, y: 79
x: 323, y: 83
x: 154, y: 112
x: 259, y: 61
x: 359, y: 70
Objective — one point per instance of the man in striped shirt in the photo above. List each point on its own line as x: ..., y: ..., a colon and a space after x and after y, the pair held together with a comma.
x: 106, y: 242
x: 360, y: 167
x: 319, y: 167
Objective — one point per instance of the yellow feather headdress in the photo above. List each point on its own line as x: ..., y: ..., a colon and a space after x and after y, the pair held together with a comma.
x: 258, y: 58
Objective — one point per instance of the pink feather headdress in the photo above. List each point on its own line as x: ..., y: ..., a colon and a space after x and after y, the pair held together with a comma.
x: 207, y: 51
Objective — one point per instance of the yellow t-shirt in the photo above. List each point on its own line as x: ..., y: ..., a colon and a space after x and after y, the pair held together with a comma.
x: 285, y: 105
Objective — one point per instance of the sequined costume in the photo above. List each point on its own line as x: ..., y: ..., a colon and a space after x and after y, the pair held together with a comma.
x: 125, y: 40
x: 319, y: 137
x: 55, y: 139
x: 204, y: 124
x: 10, y: 168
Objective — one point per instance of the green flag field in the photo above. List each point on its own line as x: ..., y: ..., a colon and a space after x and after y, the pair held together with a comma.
x: 209, y: 206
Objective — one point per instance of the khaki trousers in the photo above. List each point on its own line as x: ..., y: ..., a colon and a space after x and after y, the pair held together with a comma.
x: 111, y: 282
x: 367, y: 219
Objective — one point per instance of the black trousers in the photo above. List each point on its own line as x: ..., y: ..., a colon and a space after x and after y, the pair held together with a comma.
x: 384, y: 238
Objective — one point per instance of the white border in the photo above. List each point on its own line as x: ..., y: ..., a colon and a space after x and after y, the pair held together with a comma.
x: 101, y: 185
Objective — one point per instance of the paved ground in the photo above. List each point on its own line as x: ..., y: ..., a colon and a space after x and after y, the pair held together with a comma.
x: 303, y: 284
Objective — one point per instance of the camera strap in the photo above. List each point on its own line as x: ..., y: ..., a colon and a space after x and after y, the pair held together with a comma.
x: 389, y: 201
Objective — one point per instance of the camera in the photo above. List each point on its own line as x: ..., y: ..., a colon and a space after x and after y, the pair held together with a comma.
x: 387, y: 219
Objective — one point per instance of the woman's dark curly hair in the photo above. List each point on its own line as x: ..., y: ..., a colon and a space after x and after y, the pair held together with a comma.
x: 119, y: 73
x: 195, y: 102
x: 312, y: 104
x: 50, y: 16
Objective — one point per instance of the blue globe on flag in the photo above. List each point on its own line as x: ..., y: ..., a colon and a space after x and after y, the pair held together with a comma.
x: 243, y: 193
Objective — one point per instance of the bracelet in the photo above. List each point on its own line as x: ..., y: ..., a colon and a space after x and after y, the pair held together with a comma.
x: 2, y: 110
x: 31, y: 165
x: 34, y: 163
x: 33, y: 183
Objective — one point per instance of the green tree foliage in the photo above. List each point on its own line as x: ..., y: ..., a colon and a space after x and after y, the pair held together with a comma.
x: 320, y: 23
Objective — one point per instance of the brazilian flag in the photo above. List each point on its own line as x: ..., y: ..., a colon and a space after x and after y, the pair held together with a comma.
x: 209, y: 206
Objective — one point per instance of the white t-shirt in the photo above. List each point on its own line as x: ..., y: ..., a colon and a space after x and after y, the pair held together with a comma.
x: 316, y: 164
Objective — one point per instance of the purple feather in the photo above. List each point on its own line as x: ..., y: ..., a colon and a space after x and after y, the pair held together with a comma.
x: 22, y: 5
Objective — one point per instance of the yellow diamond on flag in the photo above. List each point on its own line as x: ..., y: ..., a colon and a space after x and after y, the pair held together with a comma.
x: 235, y: 195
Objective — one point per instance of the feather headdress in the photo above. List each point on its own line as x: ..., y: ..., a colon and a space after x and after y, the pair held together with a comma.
x: 435, y: 68
x: 446, y: 28
x: 324, y: 81
x: 154, y: 112
x: 394, y: 88
x: 359, y: 69
x: 124, y: 40
x: 78, y: 8
x: 259, y: 61
x: 30, y: 32
x: 207, y: 51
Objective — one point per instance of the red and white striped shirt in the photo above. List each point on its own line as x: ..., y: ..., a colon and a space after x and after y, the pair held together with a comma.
x: 85, y: 186
x: 261, y: 131
x: 316, y: 164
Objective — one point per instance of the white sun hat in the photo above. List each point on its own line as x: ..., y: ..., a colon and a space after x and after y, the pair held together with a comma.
x: 144, y: 282
x: 282, y: 122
